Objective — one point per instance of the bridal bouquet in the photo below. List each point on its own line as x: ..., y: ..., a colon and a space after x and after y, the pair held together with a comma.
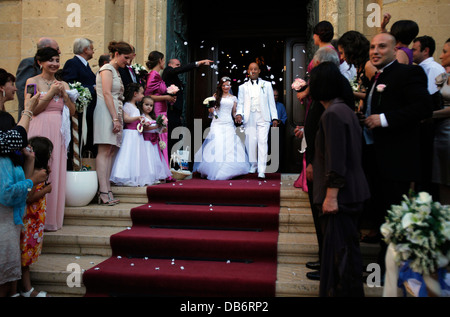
x: 298, y: 84
x: 419, y: 230
x: 210, y: 102
x: 173, y: 90
x: 84, y: 96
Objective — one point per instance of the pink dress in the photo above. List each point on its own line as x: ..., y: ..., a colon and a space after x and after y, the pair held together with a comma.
x: 48, y: 124
x: 156, y: 86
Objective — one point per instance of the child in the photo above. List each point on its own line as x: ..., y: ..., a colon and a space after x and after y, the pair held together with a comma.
x: 130, y: 167
x: 156, y: 162
x: 32, y: 234
x: 17, y: 177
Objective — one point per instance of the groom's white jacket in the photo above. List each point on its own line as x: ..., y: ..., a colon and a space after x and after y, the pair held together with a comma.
x: 266, y: 98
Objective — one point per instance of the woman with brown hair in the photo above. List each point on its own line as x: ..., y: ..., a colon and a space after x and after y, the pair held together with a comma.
x: 108, y: 117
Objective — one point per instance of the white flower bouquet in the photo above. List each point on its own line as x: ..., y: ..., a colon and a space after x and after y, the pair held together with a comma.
x: 84, y: 96
x: 354, y: 84
x: 210, y: 102
x: 139, y: 69
x: 419, y: 230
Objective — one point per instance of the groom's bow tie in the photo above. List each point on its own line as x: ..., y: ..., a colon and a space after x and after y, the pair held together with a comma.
x: 255, y: 81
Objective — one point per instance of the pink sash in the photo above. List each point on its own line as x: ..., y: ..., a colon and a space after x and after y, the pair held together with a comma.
x: 154, y: 138
x: 132, y: 125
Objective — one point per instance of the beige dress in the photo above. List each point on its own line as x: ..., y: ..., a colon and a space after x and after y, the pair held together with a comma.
x: 103, y: 125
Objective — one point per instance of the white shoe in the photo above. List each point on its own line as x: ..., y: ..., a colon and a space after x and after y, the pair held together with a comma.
x: 28, y: 294
x: 261, y: 175
x: 252, y: 169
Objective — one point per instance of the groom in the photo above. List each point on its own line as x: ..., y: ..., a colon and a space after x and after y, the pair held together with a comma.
x: 256, y: 110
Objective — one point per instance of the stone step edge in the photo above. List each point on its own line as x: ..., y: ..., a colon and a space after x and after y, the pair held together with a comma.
x: 291, y: 278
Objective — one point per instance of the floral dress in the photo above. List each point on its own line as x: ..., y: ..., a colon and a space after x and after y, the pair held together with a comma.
x: 32, y: 234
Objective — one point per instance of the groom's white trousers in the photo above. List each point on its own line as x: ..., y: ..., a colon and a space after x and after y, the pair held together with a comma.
x: 256, y: 137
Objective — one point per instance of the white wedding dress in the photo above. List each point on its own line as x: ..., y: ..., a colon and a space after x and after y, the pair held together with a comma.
x: 222, y: 155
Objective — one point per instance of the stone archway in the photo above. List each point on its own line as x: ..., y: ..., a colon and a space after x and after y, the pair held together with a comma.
x: 195, y: 33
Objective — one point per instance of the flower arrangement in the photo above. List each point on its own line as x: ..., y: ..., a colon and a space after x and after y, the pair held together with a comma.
x: 173, y: 90
x: 139, y: 69
x: 84, y: 96
x: 298, y: 84
x: 162, y: 120
x: 141, y: 73
x: 210, y: 102
x: 354, y: 84
x: 419, y: 230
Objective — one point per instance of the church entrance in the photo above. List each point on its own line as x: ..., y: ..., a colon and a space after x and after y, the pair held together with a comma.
x: 233, y: 34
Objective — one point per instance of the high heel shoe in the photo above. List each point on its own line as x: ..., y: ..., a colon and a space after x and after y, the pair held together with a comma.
x: 111, y: 198
x: 107, y: 203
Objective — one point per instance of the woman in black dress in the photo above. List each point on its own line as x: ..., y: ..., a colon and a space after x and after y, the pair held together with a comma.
x: 340, y: 186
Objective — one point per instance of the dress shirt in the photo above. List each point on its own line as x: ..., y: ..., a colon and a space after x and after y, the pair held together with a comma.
x: 255, y: 91
x: 83, y: 60
x: 368, y: 135
x: 432, y: 69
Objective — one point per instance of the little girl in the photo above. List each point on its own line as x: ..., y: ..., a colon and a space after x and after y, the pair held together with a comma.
x: 130, y: 167
x: 156, y: 161
x: 31, y: 237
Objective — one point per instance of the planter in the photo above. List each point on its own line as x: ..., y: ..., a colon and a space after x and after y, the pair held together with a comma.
x: 81, y: 188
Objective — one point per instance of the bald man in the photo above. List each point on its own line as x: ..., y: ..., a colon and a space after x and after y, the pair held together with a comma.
x: 396, y: 104
x: 256, y: 109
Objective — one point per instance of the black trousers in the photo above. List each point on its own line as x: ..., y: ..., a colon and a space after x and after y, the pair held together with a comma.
x: 342, y: 265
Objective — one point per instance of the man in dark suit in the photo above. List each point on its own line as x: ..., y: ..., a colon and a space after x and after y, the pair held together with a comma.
x: 127, y: 73
x: 27, y: 69
x: 170, y: 77
x: 77, y: 69
x: 396, y: 104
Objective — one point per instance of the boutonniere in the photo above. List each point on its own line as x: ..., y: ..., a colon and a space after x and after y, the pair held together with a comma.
x: 381, y: 87
x: 263, y: 85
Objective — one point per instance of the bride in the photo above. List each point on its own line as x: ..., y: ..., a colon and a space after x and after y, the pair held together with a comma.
x: 222, y: 155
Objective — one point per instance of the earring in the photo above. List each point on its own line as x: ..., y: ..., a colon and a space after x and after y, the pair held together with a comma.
x: 4, y: 94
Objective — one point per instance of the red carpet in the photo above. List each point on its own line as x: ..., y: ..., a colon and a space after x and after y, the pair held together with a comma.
x: 196, y: 238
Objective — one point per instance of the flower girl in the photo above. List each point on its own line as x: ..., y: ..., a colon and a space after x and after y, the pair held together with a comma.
x: 156, y: 162
x: 130, y: 168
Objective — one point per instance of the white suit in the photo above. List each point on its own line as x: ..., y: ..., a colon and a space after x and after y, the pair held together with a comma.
x: 256, y: 105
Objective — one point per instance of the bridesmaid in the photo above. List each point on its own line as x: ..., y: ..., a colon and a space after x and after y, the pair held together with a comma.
x: 47, y: 122
x: 157, y: 89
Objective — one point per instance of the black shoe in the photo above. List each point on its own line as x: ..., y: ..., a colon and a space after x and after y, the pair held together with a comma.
x: 313, y: 265
x: 314, y: 275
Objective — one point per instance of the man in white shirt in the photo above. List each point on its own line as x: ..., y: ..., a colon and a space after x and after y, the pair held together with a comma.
x: 423, y: 50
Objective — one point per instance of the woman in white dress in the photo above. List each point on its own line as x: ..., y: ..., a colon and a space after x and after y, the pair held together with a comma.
x: 222, y: 155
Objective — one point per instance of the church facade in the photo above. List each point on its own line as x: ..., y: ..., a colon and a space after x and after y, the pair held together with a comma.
x: 232, y: 33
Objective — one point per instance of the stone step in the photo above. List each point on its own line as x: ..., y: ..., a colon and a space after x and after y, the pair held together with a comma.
x: 56, y: 274
x: 80, y: 240
x: 292, y: 282
x: 84, y: 240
